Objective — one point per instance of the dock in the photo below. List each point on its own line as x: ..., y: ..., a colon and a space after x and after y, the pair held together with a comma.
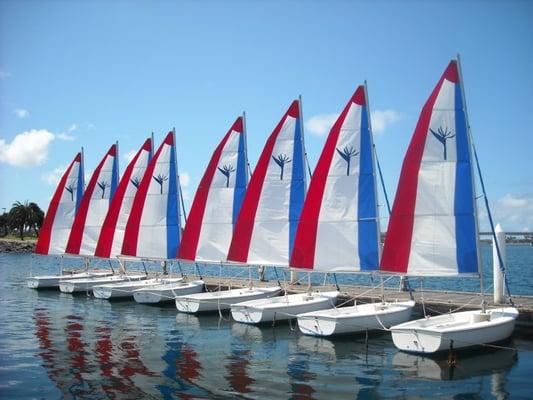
x: 435, y: 301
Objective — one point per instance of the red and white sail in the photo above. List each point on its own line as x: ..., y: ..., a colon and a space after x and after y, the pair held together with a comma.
x: 339, y: 226
x: 218, y: 199
x: 94, y: 206
x: 153, y: 229
x: 433, y: 226
x: 112, y: 234
x: 61, y: 212
x: 266, y: 225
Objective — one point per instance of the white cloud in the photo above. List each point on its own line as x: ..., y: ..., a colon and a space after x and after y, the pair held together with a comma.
x: 514, y: 212
x: 52, y: 178
x: 129, y: 155
x: 5, y: 75
x: 65, y: 136
x: 72, y: 127
x: 321, y: 124
x: 27, y: 149
x: 382, y: 119
x: 185, y: 179
x: 21, y: 113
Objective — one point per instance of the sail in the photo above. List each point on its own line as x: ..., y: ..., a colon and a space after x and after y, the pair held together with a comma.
x: 112, y: 234
x: 153, y: 229
x: 218, y: 199
x: 63, y: 207
x: 266, y: 225
x: 433, y: 225
x: 94, y: 205
x: 339, y: 228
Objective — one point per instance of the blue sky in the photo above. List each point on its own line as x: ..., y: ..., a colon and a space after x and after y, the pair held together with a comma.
x: 89, y: 73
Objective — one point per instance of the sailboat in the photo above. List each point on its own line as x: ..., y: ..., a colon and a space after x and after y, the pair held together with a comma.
x: 58, y: 221
x: 339, y: 228
x: 88, y: 221
x: 214, y: 211
x: 266, y: 226
x: 153, y: 228
x: 112, y: 234
x: 433, y: 230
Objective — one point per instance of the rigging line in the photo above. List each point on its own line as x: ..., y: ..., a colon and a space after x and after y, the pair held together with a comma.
x: 307, y: 162
x: 144, y: 266
x: 277, y: 276
x: 181, y: 201
x: 382, y: 181
x: 198, y: 270
x: 336, y: 283
x: 496, y: 244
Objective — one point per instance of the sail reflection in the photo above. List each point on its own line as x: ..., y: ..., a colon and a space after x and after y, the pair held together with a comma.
x: 237, y: 376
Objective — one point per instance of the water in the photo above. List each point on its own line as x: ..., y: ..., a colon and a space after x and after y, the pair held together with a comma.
x: 54, y: 345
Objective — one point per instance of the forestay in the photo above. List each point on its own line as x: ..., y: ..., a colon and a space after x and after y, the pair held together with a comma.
x: 266, y: 225
x: 112, y: 234
x: 433, y: 226
x: 61, y: 212
x: 94, y: 205
x: 218, y: 200
x: 153, y: 229
x: 339, y: 227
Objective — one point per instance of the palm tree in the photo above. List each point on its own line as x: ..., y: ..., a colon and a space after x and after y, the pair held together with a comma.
x: 442, y: 135
x: 347, y: 154
x: 36, y: 217
x: 226, y: 170
x: 281, y: 160
x: 19, y: 216
x: 4, y: 224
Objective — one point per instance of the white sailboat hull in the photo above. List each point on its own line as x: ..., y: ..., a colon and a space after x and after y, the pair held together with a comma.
x: 126, y: 289
x: 457, y: 330
x: 82, y: 285
x: 353, y: 319
x: 282, y: 307
x: 52, y: 281
x: 166, y: 292
x: 223, y: 299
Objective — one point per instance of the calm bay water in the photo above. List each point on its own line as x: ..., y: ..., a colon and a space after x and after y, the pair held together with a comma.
x: 54, y: 345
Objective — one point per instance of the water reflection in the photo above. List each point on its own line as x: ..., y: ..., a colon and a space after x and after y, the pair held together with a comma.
x: 474, y: 363
x: 125, y: 351
x: 237, y: 374
x: 76, y: 347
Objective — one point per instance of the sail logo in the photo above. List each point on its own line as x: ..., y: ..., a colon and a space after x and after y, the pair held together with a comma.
x: 281, y: 160
x: 70, y: 189
x: 442, y: 135
x: 160, y: 178
x: 347, y: 154
x: 226, y: 170
x: 135, y: 181
x: 103, y: 186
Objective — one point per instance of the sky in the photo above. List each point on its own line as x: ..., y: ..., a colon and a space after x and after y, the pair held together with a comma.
x: 88, y: 74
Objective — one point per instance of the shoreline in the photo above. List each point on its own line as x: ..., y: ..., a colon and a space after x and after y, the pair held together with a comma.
x: 17, y: 246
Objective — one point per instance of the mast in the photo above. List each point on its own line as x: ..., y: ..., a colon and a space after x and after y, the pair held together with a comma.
x: 474, y: 199
x: 82, y: 168
x: 245, y: 133
x: 303, y: 140
x: 179, y: 180
x: 78, y: 200
x: 373, y: 150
